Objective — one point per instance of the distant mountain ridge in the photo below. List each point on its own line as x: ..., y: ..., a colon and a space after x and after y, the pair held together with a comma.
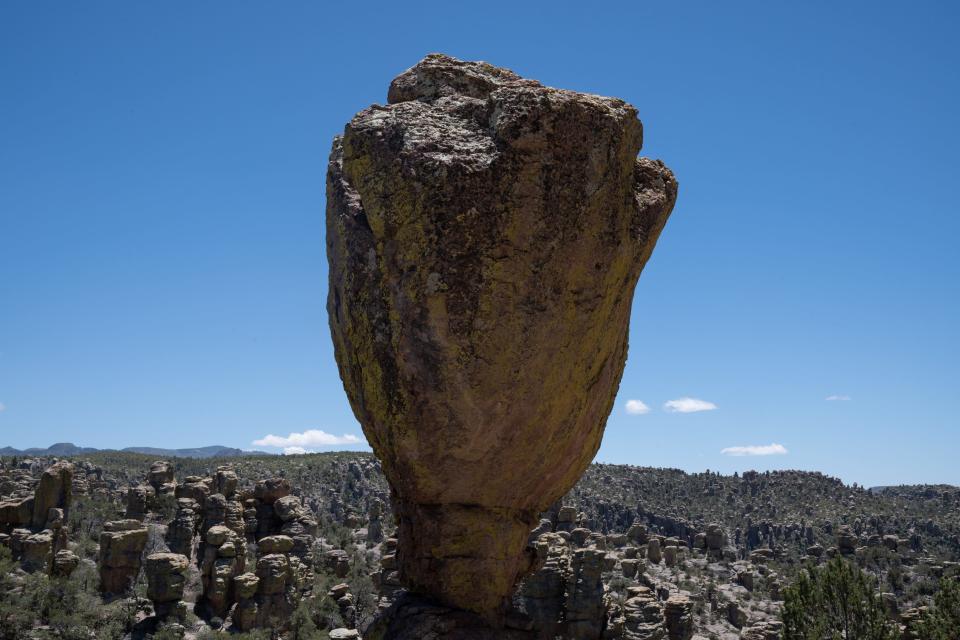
x: 70, y: 449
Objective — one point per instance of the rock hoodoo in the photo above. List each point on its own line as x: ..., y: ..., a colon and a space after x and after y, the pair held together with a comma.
x: 166, y: 577
x: 121, y: 549
x: 485, y: 234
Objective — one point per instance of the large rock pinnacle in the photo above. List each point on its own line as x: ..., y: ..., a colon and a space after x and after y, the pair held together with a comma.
x: 485, y: 234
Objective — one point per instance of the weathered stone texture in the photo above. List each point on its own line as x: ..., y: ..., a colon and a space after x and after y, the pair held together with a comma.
x: 121, y: 545
x: 485, y: 234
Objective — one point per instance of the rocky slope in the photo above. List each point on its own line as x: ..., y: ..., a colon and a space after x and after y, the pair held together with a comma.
x: 303, y: 544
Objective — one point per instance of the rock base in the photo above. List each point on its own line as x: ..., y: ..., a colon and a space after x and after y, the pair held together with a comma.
x: 470, y: 554
x: 412, y: 617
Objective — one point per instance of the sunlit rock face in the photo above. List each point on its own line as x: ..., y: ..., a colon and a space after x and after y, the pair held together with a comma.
x: 485, y: 234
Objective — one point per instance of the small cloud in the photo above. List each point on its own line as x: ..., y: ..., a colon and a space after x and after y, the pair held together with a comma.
x: 836, y: 397
x: 3, y: 407
x: 687, y: 405
x: 756, y: 450
x: 636, y: 407
x: 292, y: 451
x: 303, y: 442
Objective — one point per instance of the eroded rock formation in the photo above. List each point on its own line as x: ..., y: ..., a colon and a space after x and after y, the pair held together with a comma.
x: 121, y: 548
x: 166, y: 577
x: 485, y: 234
x: 32, y: 522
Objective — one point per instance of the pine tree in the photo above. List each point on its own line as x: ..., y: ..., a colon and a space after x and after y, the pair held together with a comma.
x: 835, y: 602
x: 942, y: 622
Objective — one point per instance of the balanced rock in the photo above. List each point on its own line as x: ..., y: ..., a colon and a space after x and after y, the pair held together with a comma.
x: 161, y: 473
x: 485, y: 234
x: 166, y: 577
x: 245, y: 613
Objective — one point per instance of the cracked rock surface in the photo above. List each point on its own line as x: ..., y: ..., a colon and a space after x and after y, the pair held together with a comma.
x: 485, y: 234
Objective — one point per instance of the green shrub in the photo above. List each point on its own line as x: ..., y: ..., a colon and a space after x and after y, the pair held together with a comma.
x: 837, y: 602
x: 942, y: 621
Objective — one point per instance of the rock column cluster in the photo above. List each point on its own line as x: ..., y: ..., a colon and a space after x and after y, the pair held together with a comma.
x: 33, y: 521
x: 227, y: 521
x: 485, y: 234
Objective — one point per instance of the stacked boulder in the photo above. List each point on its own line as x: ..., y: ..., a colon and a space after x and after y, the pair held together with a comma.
x: 387, y: 578
x: 121, y: 546
x: 222, y: 557
x: 225, y: 480
x: 299, y: 525
x: 846, y: 540
x: 678, y: 613
x: 245, y: 587
x: 166, y: 577
x: 585, y: 609
x: 375, y: 523
x: 280, y: 580
x: 194, y: 487
x: 222, y: 553
x: 183, y: 528
x: 142, y: 498
x: 265, y: 495
x: 341, y: 595
x: 640, y: 618
x: 160, y: 478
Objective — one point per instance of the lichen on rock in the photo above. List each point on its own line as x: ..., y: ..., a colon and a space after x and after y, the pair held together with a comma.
x: 485, y: 234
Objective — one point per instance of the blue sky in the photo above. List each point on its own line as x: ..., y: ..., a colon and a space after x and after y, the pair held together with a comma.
x: 162, y: 267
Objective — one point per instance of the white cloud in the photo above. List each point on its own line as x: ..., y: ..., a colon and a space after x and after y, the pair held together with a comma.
x: 837, y: 397
x: 3, y: 407
x: 688, y: 405
x: 756, y: 450
x: 636, y: 407
x: 303, y: 442
x: 292, y: 451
